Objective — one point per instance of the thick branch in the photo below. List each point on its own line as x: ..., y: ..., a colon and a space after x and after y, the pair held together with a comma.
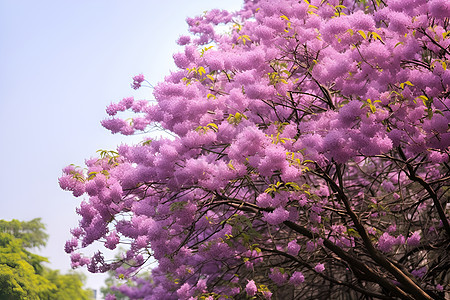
x: 353, y: 262
x: 407, y: 283
x: 411, y: 287
x: 413, y: 176
x: 331, y: 279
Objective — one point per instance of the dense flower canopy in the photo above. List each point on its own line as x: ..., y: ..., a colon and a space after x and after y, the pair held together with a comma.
x: 310, y: 158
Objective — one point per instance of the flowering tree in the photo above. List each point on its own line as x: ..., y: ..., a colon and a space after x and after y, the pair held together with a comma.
x: 309, y: 159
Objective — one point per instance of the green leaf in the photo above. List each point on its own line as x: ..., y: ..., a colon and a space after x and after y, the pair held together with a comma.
x: 376, y: 36
x: 213, y: 126
x: 147, y: 142
x: 402, y: 85
x: 363, y: 34
x: 178, y: 205
x: 424, y: 99
x: 352, y: 232
x: 201, y: 71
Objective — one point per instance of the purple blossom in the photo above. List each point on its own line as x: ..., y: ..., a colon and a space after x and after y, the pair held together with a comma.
x: 267, y: 294
x: 372, y: 231
x: 385, y: 242
x: 419, y: 273
x: 279, y: 215
x: 251, y: 288
x: 293, y: 248
x: 264, y: 200
x: 183, y: 40
x: 319, y: 268
x: 315, y: 218
x: 113, y: 108
x: 277, y: 276
x: 112, y: 240
x: 311, y: 246
x: 114, y: 124
x: 297, y: 278
x: 184, y: 292
x: 235, y: 291
x: 76, y: 232
x: 414, y: 239
x: 71, y: 245
x: 439, y: 8
x: 388, y: 186
x: 137, y: 81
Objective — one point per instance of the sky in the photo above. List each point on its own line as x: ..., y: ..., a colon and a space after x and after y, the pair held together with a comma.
x: 61, y: 63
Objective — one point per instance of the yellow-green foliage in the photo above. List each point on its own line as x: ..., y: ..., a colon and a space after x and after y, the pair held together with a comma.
x: 22, y: 274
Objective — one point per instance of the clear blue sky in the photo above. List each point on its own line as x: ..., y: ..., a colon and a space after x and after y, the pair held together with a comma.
x: 61, y: 64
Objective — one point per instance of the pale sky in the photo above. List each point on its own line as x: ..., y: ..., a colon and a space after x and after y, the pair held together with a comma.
x: 61, y: 63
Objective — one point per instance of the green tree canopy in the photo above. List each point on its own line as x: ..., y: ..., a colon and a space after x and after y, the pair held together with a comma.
x: 22, y: 273
x: 111, y: 281
x: 68, y: 286
x: 32, y: 233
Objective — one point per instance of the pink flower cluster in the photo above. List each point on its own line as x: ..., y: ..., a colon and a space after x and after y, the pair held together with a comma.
x: 137, y: 81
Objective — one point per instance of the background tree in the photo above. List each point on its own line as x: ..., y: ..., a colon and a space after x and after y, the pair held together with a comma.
x: 32, y: 233
x: 68, y: 286
x: 22, y: 273
x: 114, y: 281
x: 111, y: 283
x: 309, y: 159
